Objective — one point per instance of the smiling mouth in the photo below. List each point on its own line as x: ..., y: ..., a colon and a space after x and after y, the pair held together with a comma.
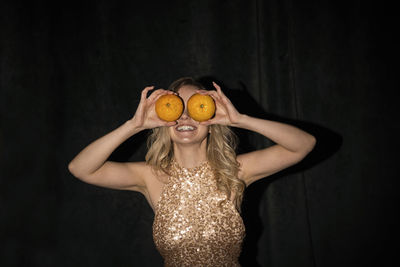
x: 184, y: 128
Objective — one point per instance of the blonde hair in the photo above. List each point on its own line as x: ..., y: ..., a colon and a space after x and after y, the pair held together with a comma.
x: 221, y: 145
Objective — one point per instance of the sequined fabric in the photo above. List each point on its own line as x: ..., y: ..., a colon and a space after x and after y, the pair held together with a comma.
x: 190, y: 228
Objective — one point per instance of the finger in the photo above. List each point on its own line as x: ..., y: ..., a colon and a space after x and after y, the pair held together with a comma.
x: 211, y: 93
x: 206, y: 123
x: 216, y: 86
x: 219, y: 90
x: 214, y: 94
x: 209, y: 122
x: 167, y: 92
x: 223, y: 97
x: 145, y: 90
x: 202, y: 92
x: 171, y: 123
x: 156, y: 94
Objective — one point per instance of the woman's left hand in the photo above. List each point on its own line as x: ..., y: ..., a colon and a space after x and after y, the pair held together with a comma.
x: 225, y: 113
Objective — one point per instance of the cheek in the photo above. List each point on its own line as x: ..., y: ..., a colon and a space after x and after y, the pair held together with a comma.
x: 170, y: 131
x: 204, y: 131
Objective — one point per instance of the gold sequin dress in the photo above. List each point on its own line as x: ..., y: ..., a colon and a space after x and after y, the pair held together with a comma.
x: 190, y: 228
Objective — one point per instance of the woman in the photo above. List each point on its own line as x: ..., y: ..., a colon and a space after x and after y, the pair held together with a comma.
x: 192, y: 177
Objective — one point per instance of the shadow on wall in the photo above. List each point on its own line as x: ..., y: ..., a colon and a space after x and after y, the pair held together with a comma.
x: 328, y: 143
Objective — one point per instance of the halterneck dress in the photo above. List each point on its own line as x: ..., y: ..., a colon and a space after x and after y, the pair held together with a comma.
x: 190, y: 228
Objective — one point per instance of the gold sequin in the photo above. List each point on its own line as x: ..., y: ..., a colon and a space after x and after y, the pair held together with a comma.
x: 190, y: 228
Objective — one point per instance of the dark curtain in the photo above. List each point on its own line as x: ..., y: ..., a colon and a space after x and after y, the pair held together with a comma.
x: 72, y: 72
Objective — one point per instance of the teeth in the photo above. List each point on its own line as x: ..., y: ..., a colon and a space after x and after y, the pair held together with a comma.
x: 185, y: 128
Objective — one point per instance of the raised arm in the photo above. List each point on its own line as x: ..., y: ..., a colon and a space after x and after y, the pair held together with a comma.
x: 292, y: 143
x: 91, y: 165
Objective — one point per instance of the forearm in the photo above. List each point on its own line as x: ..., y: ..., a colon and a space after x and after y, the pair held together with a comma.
x: 290, y: 137
x: 92, y: 157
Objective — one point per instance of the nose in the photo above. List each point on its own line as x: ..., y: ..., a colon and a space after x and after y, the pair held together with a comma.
x: 184, y: 115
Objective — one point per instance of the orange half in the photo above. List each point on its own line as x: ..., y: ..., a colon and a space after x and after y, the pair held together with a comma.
x: 169, y: 107
x: 201, y: 107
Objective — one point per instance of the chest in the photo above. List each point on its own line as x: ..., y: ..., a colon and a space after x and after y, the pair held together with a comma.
x: 190, y: 212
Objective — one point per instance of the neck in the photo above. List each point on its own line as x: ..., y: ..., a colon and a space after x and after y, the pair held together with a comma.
x: 189, y: 156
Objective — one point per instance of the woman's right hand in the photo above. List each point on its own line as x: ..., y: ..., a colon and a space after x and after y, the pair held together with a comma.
x: 145, y: 116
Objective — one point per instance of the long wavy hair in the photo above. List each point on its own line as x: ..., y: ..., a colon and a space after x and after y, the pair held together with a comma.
x: 221, y: 146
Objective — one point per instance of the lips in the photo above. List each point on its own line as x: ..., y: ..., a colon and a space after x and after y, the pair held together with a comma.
x: 185, y: 128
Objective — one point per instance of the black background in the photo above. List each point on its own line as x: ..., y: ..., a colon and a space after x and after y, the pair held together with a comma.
x: 72, y: 72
